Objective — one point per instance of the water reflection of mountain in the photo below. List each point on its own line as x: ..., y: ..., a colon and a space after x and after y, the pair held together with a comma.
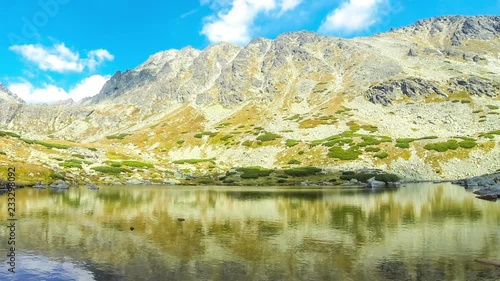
x: 249, y: 234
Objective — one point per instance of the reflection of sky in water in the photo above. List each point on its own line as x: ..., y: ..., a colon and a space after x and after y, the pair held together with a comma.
x: 39, y: 268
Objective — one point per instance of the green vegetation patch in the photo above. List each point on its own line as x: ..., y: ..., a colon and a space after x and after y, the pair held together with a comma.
x: 369, y: 140
x: 268, y: 137
x: 226, y: 137
x: 81, y: 156
x: 294, y: 117
x: 381, y: 155
x: 209, y: 134
x: 405, y: 142
x: 194, y: 161
x: 254, y: 172
x: 467, y: 144
x: 362, y: 177
x: 117, y: 136
x: 369, y: 128
x: 180, y: 142
x: 492, y: 107
x: 10, y: 134
x: 353, y: 126
x: 291, y: 143
x: 302, y: 171
x: 372, y: 149
x: 247, y: 143
x: 442, y: 146
x: 294, y: 162
x: 137, y: 164
x: 339, y: 153
x: 110, y: 170
x: 71, y: 165
x: 47, y: 145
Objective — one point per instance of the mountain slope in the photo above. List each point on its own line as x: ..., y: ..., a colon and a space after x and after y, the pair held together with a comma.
x: 388, y: 101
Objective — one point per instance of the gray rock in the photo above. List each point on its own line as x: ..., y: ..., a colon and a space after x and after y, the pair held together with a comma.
x: 412, y: 53
x: 372, y: 183
x: 386, y: 92
x: 475, y: 86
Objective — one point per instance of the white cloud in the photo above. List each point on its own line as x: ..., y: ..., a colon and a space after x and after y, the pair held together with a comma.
x: 50, y: 93
x: 234, y: 21
x: 287, y: 5
x: 353, y: 16
x: 61, y: 59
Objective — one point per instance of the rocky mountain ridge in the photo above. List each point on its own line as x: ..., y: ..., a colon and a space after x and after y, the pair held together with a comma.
x: 6, y: 96
x: 321, y: 101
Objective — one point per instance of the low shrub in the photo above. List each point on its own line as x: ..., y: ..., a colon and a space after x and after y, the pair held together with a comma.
x: 247, y: 143
x: 291, y: 143
x: 70, y: 165
x: 10, y: 134
x: 467, y: 144
x: 137, y: 164
x: 442, y: 146
x: 372, y: 149
x: 492, y: 107
x: 302, y: 171
x: 226, y: 137
x: 180, y: 142
x: 110, y: 170
x: 294, y: 162
x: 381, y: 155
x: 253, y: 172
x: 369, y: 128
x: 339, y: 153
x: 365, y: 177
x: 81, y: 156
x: 268, y: 137
x: 52, y: 145
x: 209, y: 134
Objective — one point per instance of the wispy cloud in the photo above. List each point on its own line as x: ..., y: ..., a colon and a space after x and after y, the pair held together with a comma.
x: 187, y: 14
x: 353, y: 16
x: 234, y: 20
x: 60, y: 58
x: 49, y: 93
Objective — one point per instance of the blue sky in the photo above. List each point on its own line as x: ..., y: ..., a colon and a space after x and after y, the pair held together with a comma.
x: 58, y: 49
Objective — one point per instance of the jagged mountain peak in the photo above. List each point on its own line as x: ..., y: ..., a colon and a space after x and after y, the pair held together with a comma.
x: 7, y: 96
x: 456, y: 28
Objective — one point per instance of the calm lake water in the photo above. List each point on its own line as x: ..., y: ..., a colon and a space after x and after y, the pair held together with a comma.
x: 417, y: 232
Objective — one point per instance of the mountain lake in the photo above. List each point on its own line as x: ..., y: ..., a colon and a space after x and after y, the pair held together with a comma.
x: 416, y: 232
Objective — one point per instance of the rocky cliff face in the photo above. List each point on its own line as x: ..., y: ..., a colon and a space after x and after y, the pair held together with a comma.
x: 432, y: 82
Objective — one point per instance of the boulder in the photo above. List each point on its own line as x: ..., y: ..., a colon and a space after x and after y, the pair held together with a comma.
x: 372, y: 183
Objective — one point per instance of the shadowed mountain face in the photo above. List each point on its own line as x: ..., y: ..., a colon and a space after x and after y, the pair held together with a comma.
x: 438, y: 77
